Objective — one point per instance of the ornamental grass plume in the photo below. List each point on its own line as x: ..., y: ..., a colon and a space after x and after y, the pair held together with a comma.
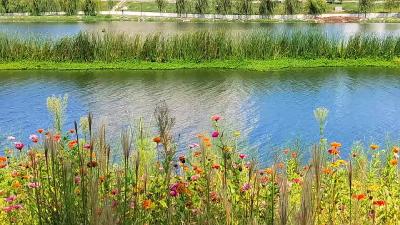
x: 321, y: 114
x: 57, y: 106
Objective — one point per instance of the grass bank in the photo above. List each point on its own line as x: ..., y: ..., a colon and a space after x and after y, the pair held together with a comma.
x: 254, y: 65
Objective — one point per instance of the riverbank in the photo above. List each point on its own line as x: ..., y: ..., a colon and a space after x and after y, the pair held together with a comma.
x: 254, y: 65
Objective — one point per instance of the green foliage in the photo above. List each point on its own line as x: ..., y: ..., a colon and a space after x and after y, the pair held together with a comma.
x: 291, y: 6
x: 182, y: 7
x: 201, y: 6
x: 267, y: 8
x: 198, y: 46
x: 365, y: 6
x: 70, y: 7
x: 223, y: 6
x: 161, y: 4
x: 244, y: 7
x: 391, y: 4
x: 316, y: 7
x: 90, y: 7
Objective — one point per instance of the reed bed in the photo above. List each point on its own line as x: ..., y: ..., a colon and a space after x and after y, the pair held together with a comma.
x: 197, y: 46
x: 67, y: 176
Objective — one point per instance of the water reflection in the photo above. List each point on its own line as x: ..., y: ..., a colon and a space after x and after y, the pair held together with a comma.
x: 271, y: 108
x: 57, y: 30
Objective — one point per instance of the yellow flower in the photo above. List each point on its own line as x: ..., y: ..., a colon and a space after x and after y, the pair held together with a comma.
x: 227, y: 148
x: 16, y: 184
x: 374, y: 146
x: 373, y: 187
x: 236, y: 133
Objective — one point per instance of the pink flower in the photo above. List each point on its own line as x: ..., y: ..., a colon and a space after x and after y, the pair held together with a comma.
x: 195, y: 177
x: 245, y: 187
x: 77, y: 180
x: 215, y: 134
x: 11, y: 198
x: 18, y: 206
x: 242, y: 156
x: 34, y: 138
x: 8, y: 209
x: 216, y: 118
x: 86, y: 146
x: 34, y: 185
x: 19, y: 145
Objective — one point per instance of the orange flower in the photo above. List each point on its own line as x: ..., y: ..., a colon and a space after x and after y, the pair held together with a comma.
x: 280, y: 165
x: 197, y: 153
x: 200, y: 136
x: 2, y: 165
x: 215, y: 166
x: 327, y: 171
x: 374, y: 146
x: 360, y: 197
x: 57, y: 137
x: 336, y: 145
x: 3, y: 159
x: 333, y: 151
x: 40, y: 131
x: 157, y: 140
x: 395, y: 149
x: 294, y: 155
x: 268, y: 171
x: 102, y: 179
x: 393, y: 162
x: 197, y: 169
x: 71, y: 131
x: 16, y: 184
x: 72, y: 144
x: 147, y: 204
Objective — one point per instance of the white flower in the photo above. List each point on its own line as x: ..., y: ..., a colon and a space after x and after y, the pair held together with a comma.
x: 11, y: 138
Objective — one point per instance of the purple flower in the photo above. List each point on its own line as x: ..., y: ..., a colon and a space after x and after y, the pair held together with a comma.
x: 245, y: 187
x: 11, y: 198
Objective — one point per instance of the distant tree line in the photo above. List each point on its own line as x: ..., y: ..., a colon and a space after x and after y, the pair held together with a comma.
x: 38, y: 7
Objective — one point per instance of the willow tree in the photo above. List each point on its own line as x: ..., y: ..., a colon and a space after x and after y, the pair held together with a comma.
x: 223, y: 6
x: 365, y: 6
x: 181, y: 7
x: 291, y: 6
x: 161, y: 4
x: 266, y: 8
x: 4, y: 6
x: 201, y: 6
x: 90, y: 7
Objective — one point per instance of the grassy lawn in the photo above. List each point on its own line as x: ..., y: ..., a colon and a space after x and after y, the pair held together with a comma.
x: 255, y: 65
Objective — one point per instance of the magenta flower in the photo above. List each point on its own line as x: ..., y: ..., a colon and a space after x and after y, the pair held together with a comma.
x: 19, y: 145
x: 34, y: 185
x: 8, y: 209
x: 242, y: 156
x: 18, y: 206
x: 86, y: 146
x: 173, y: 193
x: 11, y: 198
x: 216, y: 118
x: 215, y: 134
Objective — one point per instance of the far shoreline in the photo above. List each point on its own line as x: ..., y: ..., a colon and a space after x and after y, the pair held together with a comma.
x: 249, y: 65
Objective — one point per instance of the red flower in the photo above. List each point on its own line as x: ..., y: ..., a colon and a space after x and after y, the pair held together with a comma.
x: 19, y: 145
x: 215, y: 166
x: 215, y: 134
x: 216, y: 118
x: 296, y: 180
x: 379, y: 203
x: 242, y: 156
x: 333, y: 151
x: 40, y: 131
x: 57, y: 137
x: 71, y: 131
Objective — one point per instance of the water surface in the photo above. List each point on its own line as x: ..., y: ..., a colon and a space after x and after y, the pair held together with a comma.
x: 271, y: 108
x: 57, y: 30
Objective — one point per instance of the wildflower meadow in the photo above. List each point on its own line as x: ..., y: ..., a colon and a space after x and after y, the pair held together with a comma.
x: 68, y: 175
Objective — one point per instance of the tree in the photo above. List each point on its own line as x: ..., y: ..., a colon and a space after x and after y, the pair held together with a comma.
x: 181, y: 7
x: 244, y: 7
x: 267, y: 7
x: 201, y: 6
x: 223, y: 6
x: 365, y: 5
x: 391, y: 4
x: 70, y: 7
x: 316, y: 7
x: 291, y: 6
x: 161, y: 4
x: 4, y: 6
x: 90, y: 7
